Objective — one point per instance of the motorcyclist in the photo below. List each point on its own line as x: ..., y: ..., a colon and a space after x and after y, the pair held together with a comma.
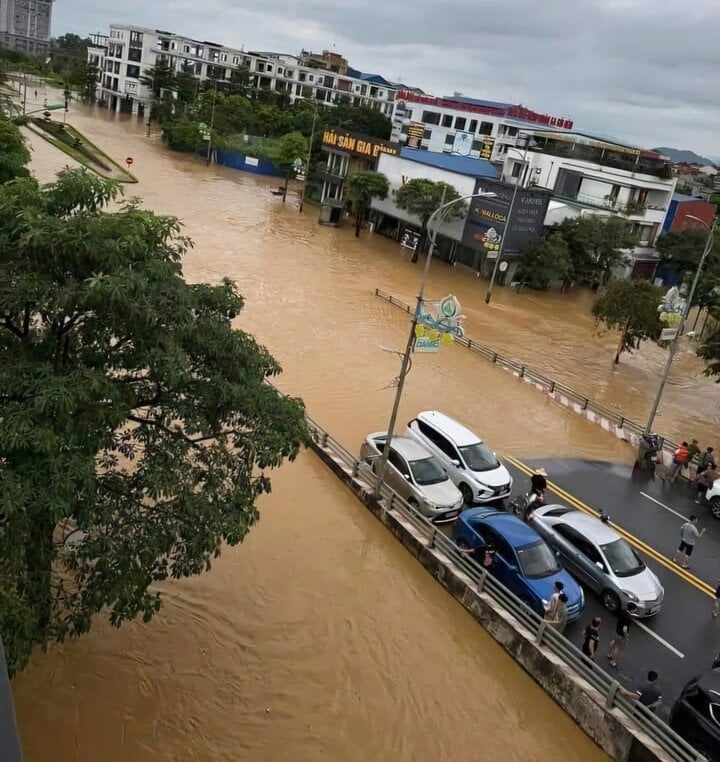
x: 538, y: 485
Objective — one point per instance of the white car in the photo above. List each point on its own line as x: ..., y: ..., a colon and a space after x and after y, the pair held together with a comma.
x: 473, y: 468
x: 415, y: 475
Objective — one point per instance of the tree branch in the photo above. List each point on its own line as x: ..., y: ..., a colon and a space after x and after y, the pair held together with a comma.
x: 7, y: 323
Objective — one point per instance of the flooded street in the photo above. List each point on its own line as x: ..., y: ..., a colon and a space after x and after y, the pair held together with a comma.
x: 320, y: 637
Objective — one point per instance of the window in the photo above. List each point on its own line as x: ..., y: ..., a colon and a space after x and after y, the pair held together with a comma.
x: 460, y: 122
x: 569, y: 534
x: 438, y: 440
x: 136, y: 38
x: 427, y: 471
x: 477, y: 145
x: 397, y: 462
x: 621, y: 557
x: 477, y: 457
x: 449, y: 139
x: 135, y: 54
x: 500, y: 543
x: 512, y: 131
x: 235, y: 60
x: 133, y: 71
x: 473, y: 125
x: 447, y: 120
x: 117, y: 67
x: 517, y: 166
x: 430, y: 117
x: 486, y: 128
x: 186, y: 48
x: 537, y: 560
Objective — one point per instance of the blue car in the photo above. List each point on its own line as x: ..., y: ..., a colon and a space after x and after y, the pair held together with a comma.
x: 523, y: 561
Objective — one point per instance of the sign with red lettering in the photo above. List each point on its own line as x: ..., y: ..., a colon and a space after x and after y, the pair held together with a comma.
x: 129, y: 161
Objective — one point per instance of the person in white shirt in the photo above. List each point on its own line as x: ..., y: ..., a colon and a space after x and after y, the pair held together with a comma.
x: 688, y: 537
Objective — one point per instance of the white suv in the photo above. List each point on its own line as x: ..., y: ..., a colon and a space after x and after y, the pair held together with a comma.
x: 472, y: 467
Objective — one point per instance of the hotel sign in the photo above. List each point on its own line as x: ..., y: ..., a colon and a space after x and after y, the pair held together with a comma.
x: 356, y: 144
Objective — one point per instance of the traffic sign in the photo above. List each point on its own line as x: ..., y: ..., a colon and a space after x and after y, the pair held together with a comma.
x: 129, y: 161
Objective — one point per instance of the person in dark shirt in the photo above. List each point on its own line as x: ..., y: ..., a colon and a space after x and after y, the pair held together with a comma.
x: 649, y: 693
x: 592, y: 638
x: 622, y: 632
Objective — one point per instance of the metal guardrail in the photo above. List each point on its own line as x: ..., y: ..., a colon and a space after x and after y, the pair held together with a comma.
x: 515, y: 366
x: 544, y: 635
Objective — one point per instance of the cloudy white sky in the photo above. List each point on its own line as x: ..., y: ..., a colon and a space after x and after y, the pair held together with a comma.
x: 642, y: 70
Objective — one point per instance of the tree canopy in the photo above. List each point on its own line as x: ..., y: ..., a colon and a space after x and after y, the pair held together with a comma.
x: 14, y: 154
x: 631, y: 307
x: 422, y: 197
x: 362, y: 188
x: 547, y: 262
x: 136, y: 427
x: 680, y: 252
x: 288, y: 156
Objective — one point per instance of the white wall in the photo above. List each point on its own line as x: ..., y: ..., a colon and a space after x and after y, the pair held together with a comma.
x: 398, y: 171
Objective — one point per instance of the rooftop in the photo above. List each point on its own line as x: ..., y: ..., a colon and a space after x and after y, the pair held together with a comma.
x: 461, y: 165
x: 460, y: 98
x: 685, y: 197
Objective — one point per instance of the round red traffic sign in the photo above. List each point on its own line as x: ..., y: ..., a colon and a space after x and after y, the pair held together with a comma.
x: 129, y: 160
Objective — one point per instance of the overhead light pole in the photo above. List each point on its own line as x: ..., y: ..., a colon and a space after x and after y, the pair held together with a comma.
x: 675, y: 344
x: 433, y: 224
x: 520, y: 181
x: 307, y: 163
x: 212, y: 123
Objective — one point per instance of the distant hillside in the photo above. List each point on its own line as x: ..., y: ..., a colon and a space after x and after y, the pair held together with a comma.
x: 684, y: 157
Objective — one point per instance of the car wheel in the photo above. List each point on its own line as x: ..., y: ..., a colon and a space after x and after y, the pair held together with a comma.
x: 413, y: 502
x: 462, y: 543
x: 715, y: 507
x: 610, y: 600
x: 467, y: 494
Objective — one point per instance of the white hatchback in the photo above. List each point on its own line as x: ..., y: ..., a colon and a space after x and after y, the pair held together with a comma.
x: 471, y: 466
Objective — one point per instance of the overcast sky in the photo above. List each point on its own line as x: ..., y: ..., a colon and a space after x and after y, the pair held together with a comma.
x: 641, y: 70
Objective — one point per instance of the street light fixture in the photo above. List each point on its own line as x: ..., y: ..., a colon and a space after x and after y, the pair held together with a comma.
x: 435, y: 217
x: 675, y: 344
x: 520, y: 181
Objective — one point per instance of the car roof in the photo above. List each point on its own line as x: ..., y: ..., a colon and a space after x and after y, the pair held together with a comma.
x: 513, y: 529
x: 408, y: 447
x: 590, y: 527
x: 460, y: 435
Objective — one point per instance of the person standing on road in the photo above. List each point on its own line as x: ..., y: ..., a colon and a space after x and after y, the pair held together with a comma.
x: 560, y: 621
x: 707, y: 460
x: 592, y: 638
x: 679, y: 461
x: 552, y: 605
x: 693, y: 450
x: 705, y: 480
x: 649, y: 693
x: 622, y: 632
x: 688, y: 537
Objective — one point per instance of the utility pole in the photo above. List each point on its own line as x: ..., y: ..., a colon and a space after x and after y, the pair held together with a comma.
x: 212, y: 122
x: 307, y: 164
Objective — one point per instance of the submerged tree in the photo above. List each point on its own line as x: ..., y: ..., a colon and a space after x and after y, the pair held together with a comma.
x: 288, y: 156
x: 422, y: 197
x: 546, y: 262
x: 363, y: 187
x: 631, y: 307
x: 136, y: 427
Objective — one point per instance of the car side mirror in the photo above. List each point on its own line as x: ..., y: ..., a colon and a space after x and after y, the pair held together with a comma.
x: 407, y: 477
x: 599, y: 565
x: 513, y: 568
x: 456, y: 463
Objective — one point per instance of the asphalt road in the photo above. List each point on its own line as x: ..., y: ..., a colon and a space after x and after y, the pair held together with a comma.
x: 682, y: 640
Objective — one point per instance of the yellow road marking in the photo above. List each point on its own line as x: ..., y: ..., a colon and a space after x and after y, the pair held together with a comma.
x: 697, y: 583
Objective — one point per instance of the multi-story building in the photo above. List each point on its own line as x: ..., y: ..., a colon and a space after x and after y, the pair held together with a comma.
x: 463, y: 126
x: 590, y: 174
x: 130, y: 51
x: 25, y: 25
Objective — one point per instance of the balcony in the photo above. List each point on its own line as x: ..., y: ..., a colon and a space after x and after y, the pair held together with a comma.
x: 326, y: 172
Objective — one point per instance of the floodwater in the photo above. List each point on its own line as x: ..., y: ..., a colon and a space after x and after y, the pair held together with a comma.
x: 319, y: 637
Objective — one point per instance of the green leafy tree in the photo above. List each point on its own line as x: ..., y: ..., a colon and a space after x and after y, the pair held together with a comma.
x: 186, y: 85
x: 596, y: 243
x: 68, y: 52
x: 629, y: 306
x: 709, y: 347
x: 290, y: 151
x: 363, y: 187
x: 680, y: 252
x: 161, y: 81
x: 14, y: 154
x: 89, y: 83
x: 136, y: 427
x: 362, y: 119
x: 546, y: 262
x: 181, y: 134
x: 422, y: 197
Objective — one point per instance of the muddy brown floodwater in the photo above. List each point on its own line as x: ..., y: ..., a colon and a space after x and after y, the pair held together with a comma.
x: 320, y: 637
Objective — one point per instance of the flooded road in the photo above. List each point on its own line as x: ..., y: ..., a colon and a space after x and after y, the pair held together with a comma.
x: 320, y: 617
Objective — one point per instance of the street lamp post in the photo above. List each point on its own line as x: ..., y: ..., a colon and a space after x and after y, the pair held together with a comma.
x: 674, y: 346
x: 488, y: 293
x: 436, y: 216
x: 307, y: 163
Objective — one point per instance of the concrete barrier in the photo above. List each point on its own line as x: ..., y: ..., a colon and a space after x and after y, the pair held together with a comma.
x: 610, y: 728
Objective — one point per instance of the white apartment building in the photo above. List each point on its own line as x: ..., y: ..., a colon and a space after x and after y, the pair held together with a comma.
x: 594, y: 175
x: 25, y: 25
x: 463, y: 126
x: 129, y: 51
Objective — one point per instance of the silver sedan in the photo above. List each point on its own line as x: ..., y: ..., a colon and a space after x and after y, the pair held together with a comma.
x: 596, y: 555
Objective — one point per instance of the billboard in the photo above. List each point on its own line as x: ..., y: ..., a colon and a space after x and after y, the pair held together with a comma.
x: 416, y: 131
x: 488, y: 228
x: 462, y: 145
x: 356, y: 144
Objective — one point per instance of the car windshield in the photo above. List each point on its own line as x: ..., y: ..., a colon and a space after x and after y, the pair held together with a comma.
x: 427, y: 471
x: 537, y: 560
x: 478, y: 457
x: 623, y: 560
